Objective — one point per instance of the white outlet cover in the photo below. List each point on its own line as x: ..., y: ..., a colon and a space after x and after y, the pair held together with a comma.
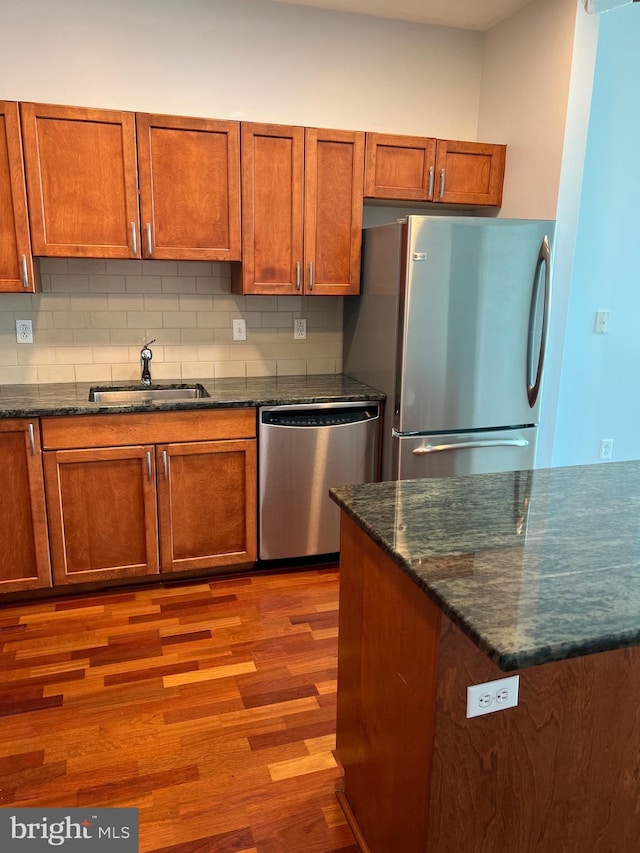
x: 240, y: 330
x: 492, y: 696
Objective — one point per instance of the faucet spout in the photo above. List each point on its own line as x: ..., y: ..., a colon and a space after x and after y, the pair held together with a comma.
x: 145, y: 357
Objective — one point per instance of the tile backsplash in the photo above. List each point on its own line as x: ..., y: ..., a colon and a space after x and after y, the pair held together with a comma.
x: 92, y: 317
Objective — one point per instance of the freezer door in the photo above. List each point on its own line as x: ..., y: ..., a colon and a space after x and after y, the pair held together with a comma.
x: 464, y: 453
x: 475, y: 300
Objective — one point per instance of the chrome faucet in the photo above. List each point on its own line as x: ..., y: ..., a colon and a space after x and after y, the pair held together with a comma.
x: 145, y: 357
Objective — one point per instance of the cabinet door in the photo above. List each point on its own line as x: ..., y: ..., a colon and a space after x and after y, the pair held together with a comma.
x: 189, y: 172
x: 16, y: 263
x: 82, y: 181
x: 334, y: 174
x: 469, y: 173
x: 272, y: 190
x: 207, y: 504
x: 102, y: 513
x: 24, y: 549
x: 399, y: 167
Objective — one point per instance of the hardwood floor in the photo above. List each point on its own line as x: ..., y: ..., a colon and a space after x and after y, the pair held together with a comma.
x: 209, y: 706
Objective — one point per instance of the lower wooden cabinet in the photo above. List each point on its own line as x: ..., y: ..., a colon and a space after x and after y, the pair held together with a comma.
x: 138, y: 509
x: 24, y: 549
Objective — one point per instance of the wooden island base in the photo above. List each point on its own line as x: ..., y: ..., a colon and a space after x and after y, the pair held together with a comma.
x: 560, y: 773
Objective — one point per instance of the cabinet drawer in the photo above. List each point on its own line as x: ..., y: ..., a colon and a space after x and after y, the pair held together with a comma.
x: 75, y: 431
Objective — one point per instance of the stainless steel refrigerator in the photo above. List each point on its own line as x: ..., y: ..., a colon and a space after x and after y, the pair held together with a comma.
x: 452, y: 325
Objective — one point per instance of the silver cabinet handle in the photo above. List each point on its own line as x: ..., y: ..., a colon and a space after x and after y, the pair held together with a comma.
x: 149, y: 465
x: 134, y: 239
x: 32, y: 440
x: 430, y: 190
x: 441, y: 183
x: 465, y: 445
x: 149, y: 241
x: 533, y: 383
x: 298, y: 269
x: 164, y: 464
x: 25, y: 273
x: 310, y: 275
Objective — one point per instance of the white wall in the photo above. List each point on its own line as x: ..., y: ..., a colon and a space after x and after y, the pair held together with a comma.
x: 600, y: 389
x: 243, y: 59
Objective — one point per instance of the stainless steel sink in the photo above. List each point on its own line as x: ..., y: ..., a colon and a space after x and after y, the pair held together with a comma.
x: 144, y: 394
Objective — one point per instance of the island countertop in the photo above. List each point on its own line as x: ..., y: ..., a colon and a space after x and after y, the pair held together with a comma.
x: 18, y: 401
x: 534, y: 566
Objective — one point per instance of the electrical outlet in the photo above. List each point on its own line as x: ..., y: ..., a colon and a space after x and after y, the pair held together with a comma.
x: 239, y: 330
x: 602, y: 322
x: 492, y: 696
x: 606, y: 448
x: 299, y: 329
x: 24, y: 331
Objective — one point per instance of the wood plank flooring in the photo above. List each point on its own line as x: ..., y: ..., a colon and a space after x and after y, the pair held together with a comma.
x: 209, y: 706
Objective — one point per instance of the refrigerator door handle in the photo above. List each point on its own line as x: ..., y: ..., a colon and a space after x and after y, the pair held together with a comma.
x: 465, y: 445
x: 533, y: 384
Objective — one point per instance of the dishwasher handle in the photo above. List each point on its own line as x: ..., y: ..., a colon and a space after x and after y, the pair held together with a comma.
x: 302, y: 418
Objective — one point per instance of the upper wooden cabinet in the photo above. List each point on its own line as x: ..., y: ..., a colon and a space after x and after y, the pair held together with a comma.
x: 81, y: 181
x: 16, y: 263
x: 189, y: 174
x: 413, y: 168
x: 24, y: 555
x: 301, y: 210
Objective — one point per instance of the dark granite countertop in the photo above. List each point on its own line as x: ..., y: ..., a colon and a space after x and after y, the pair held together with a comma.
x: 534, y: 566
x: 72, y: 399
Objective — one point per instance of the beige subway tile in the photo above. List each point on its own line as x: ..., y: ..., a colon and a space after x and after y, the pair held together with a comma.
x: 74, y: 355
x: 179, y: 319
x: 18, y: 375
x: 207, y: 352
x: 71, y: 319
x: 16, y: 302
x: 230, y: 369
x: 53, y: 265
x: 45, y: 283
x: 126, y: 302
x: 222, y: 269
x: 253, y: 318
x: 7, y: 320
x: 9, y: 354
x: 55, y: 302
x: 55, y: 337
x: 144, y: 320
x: 127, y: 337
x: 69, y: 283
x: 166, y: 371
x: 262, y: 368
x: 118, y: 266
x: 181, y: 353
x: 167, y: 337
x: 261, y: 303
x: 159, y: 268
x: 291, y: 367
x: 36, y: 355
x: 323, y: 303
x: 210, y: 284
x: 107, y: 283
x: 91, y: 337
x: 87, y: 266
x: 231, y: 302
x: 197, y: 370
x: 277, y: 319
x: 195, y: 302
x: 194, y: 268
x: 56, y: 373
x: 178, y: 284
x: 110, y: 355
x: 143, y: 284
x: 214, y: 320
x: 93, y: 372
x: 90, y: 302
x: 289, y: 303
x: 109, y: 319
x: 321, y: 365
x: 161, y: 302
x: 125, y: 372
x: 196, y: 336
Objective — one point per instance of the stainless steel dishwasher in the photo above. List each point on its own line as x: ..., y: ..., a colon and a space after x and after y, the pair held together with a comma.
x: 303, y: 450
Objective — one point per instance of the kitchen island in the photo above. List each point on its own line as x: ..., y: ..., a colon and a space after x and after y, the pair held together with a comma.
x: 448, y: 583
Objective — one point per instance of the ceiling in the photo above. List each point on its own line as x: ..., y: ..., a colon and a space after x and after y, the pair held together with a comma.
x: 466, y: 14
